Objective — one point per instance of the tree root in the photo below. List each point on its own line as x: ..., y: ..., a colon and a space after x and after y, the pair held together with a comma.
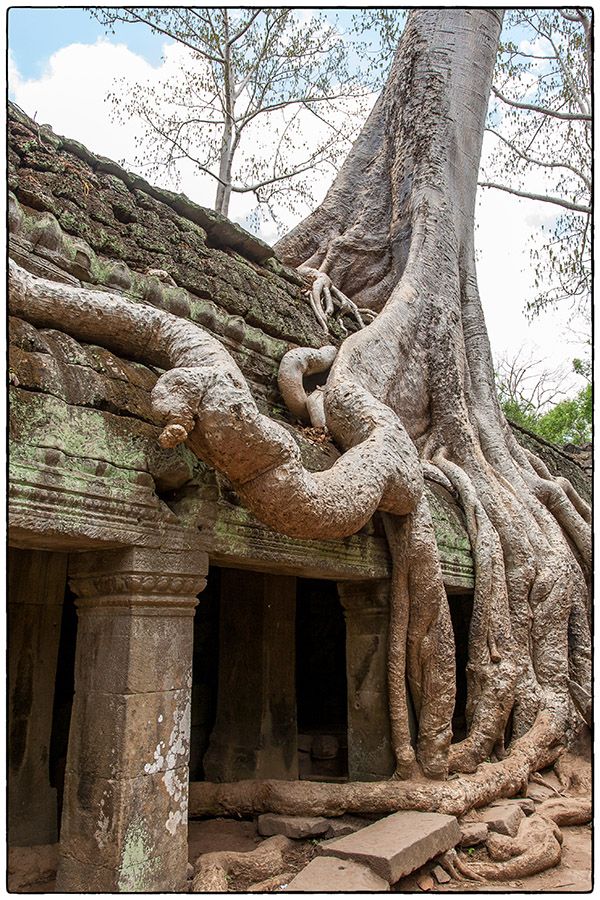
x: 324, y: 296
x: 537, y: 749
x: 456, y: 868
x: 536, y: 847
x: 295, y: 364
x: 214, y: 870
x: 537, y: 844
x: 204, y: 399
x: 567, y: 810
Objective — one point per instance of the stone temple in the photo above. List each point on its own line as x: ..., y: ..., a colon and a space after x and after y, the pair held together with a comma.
x: 158, y: 634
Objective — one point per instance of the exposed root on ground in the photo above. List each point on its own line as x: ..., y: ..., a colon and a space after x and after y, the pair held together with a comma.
x: 536, y: 847
x: 214, y: 871
x: 538, y: 749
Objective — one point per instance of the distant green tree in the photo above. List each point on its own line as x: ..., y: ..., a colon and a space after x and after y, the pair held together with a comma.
x: 570, y: 421
x: 529, y: 396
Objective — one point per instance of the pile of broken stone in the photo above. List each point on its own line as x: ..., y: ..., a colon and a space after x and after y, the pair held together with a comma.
x: 354, y: 854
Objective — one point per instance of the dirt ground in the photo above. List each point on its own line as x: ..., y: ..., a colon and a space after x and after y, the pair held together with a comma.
x: 572, y: 875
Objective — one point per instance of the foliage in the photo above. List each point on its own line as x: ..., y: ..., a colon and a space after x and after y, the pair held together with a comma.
x: 570, y: 421
x: 529, y: 396
x: 540, y: 120
x: 261, y: 100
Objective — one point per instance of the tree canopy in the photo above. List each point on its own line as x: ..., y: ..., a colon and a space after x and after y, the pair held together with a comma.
x: 261, y: 99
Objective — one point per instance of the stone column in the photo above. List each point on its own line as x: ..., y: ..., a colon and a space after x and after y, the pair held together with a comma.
x: 36, y: 593
x: 255, y: 733
x: 124, y: 822
x: 366, y: 611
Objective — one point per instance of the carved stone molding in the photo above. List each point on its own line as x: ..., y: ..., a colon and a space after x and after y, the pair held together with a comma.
x: 149, y: 581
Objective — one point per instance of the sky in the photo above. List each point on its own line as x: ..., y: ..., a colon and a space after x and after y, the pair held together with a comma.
x: 62, y: 65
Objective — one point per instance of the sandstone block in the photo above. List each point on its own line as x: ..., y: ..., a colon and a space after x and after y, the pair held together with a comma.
x: 341, y: 827
x: 425, y: 882
x: 440, y: 875
x: 539, y: 793
x: 399, y: 844
x: 526, y: 804
x: 297, y: 827
x: 28, y: 865
x: 503, y: 819
x: 473, y: 833
x: 326, y: 874
x: 324, y: 746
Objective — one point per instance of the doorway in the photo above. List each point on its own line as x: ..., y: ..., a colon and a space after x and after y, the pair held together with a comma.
x: 321, y: 687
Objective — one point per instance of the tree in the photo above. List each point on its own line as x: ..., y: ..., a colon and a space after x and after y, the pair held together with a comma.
x: 408, y: 398
x: 240, y: 68
x: 541, y: 121
x: 529, y: 396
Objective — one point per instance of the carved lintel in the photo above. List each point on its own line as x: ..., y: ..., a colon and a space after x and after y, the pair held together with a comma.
x: 140, y: 580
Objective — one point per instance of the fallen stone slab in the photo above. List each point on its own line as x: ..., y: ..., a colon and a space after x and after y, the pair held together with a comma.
x: 526, y: 804
x: 539, y: 793
x: 440, y: 875
x: 296, y: 827
x: 473, y: 833
x: 399, y: 844
x: 503, y: 819
x: 425, y: 882
x: 328, y: 874
x: 345, y: 825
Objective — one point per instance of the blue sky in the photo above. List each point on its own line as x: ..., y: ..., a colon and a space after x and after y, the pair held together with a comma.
x: 35, y: 33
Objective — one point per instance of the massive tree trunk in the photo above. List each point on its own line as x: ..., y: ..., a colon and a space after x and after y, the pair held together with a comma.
x: 395, y: 232
x: 411, y: 395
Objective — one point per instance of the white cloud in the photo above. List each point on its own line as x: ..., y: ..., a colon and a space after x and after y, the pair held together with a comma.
x: 70, y: 96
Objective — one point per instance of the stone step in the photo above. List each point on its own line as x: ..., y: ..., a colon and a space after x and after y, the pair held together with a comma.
x: 503, y: 819
x: 397, y: 845
x: 326, y: 874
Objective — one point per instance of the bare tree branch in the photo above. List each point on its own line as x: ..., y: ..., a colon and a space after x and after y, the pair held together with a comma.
x: 533, y: 107
x: 557, y: 201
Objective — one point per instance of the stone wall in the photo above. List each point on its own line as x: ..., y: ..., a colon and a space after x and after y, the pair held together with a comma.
x: 83, y: 436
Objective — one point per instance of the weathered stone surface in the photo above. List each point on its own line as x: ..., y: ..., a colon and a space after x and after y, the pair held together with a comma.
x: 344, y: 825
x: 526, y: 804
x: 473, y: 833
x: 503, y: 819
x: 440, y: 875
x: 425, y: 882
x: 399, y: 844
x: 297, y: 827
x: 30, y: 865
x: 124, y: 824
x: 538, y: 792
x: 255, y: 733
x: 325, y: 746
x: 327, y: 875
x: 366, y: 612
